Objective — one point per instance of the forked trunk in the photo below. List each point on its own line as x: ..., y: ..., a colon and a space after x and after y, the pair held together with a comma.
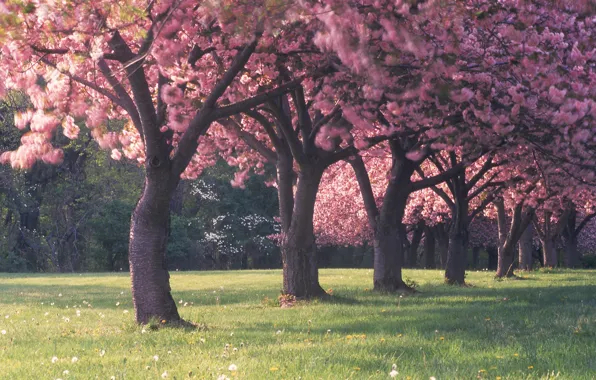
x: 525, y: 249
x: 506, y: 257
x: 300, y: 269
x: 549, y: 253
x: 572, y: 254
x: 147, y: 252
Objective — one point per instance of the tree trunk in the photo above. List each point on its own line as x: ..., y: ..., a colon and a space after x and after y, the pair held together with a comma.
x: 429, y: 249
x: 549, y: 253
x: 147, y: 251
x: 300, y: 269
x: 388, y: 260
x: 525, y: 249
x: 455, y: 270
x: 572, y: 254
x: 506, y: 256
x: 413, y: 247
x: 442, y: 244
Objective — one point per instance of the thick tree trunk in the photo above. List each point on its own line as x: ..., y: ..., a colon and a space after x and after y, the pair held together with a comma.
x: 455, y: 270
x: 549, y: 253
x: 506, y: 258
x: 429, y: 249
x: 300, y: 269
x: 572, y: 254
x: 525, y: 249
x: 388, y: 259
x: 147, y: 252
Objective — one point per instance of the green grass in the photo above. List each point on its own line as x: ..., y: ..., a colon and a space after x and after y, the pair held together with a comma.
x: 530, y: 328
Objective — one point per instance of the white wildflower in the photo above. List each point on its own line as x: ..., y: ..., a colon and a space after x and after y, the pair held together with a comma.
x: 102, y: 353
x: 54, y: 359
x: 3, y: 332
x: 233, y: 368
x: 164, y: 374
x: 155, y: 357
x: 74, y: 359
x: 393, y: 373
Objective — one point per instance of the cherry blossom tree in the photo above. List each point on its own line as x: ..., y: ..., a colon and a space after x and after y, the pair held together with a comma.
x: 166, y: 68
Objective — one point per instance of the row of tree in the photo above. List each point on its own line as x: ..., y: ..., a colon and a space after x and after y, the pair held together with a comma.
x: 479, y: 101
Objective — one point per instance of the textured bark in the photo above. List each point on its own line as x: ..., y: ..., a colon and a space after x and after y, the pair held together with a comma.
x: 549, y: 253
x: 389, y: 247
x: 455, y: 270
x: 300, y: 270
x: 525, y: 249
x: 147, y: 251
x: 429, y: 249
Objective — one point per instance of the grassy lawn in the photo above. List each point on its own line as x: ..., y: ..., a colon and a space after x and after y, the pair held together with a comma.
x: 540, y: 326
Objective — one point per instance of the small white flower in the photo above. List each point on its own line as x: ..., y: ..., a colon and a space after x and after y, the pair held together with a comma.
x: 46, y: 314
x: 223, y: 377
x: 164, y: 374
x: 74, y: 359
x: 169, y: 352
x: 155, y: 357
x: 78, y: 313
x: 117, y: 303
x: 235, y: 349
x: 112, y: 377
x: 278, y: 332
x: 180, y: 301
x: 3, y: 332
x: 66, y: 320
x: 393, y: 373
x: 186, y: 304
x: 60, y: 295
x: 121, y: 293
x: 54, y: 359
x: 232, y: 367
x: 102, y: 353
x: 65, y: 372
x: 432, y: 378
x: 394, y: 366
x: 143, y: 331
x: 125, y: 311
x: 50, y: 304
x: 7, y: 316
